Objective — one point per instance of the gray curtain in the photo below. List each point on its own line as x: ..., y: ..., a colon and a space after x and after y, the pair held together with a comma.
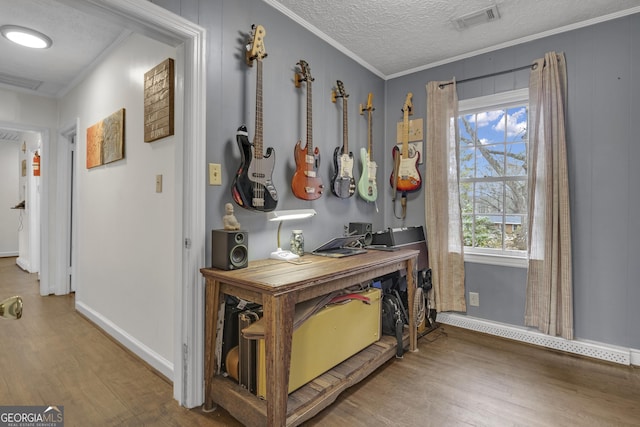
x: 549, y: 299
x: 442, y: 199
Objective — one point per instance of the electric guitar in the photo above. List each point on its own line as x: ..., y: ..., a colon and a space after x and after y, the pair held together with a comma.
x: 343, y: 184
x: 367, y: 188
x: 405, y: 176
x: 252, y: 186
x: 306, y: 184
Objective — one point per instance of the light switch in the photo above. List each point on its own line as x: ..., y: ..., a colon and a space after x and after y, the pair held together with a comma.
x: 215, y: 174
x: 158, y: 183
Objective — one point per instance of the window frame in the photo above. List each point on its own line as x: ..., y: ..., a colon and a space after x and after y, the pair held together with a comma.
x: 502, y: 100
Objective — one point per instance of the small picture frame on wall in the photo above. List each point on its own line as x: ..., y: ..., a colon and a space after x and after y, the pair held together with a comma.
x: 105, y: 140
x: 113, y: 137
x: 158, y: 101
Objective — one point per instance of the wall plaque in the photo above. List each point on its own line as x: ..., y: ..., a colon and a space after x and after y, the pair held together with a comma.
x: 158, y: 101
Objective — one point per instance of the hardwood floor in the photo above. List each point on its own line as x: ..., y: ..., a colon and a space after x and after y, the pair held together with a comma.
x: 54, y: 356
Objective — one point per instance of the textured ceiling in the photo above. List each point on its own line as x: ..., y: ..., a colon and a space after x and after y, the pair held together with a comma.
x: 393, y: 37
x: 390, y: 37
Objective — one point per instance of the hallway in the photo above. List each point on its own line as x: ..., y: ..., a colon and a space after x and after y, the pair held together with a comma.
x: 54, y: 356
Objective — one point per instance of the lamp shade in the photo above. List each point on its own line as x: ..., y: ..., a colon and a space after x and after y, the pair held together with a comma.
x: 290, y: 214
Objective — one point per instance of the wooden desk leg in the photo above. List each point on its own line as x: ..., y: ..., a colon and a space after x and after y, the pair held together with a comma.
x: 411, y: 292
x: 278, y: 311
x: 212, y: 305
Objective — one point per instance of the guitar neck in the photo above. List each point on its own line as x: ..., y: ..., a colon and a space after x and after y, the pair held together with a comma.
x: 405, y: 135
x: 345, y: 127
x: 257, y: 141
x: 370, y: 133
x: 309, y: 120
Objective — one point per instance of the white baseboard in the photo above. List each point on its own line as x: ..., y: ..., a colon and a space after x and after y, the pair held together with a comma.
x: 610, y: 353
x: 23, y: 264
x: 8, y: 254
x: 156, y: 361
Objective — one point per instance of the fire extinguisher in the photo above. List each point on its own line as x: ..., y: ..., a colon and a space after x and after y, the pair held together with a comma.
x: 36, y: 164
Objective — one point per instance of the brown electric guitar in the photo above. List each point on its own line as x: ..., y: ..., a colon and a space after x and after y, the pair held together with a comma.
x: 406, y: 176
x: 306, y: 183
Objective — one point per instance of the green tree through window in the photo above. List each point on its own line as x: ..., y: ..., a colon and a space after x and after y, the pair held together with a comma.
x: 493, y: 173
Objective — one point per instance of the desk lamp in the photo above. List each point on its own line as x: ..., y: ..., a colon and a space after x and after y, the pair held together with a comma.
x: 287, y: 215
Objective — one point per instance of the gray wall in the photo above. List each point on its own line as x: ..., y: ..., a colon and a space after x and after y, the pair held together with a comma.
x: 231, y: 102
x: 604, y: 152
x: 602, y: 142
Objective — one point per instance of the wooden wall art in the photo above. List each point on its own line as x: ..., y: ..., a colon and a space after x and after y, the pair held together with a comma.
x: 105, y: 140
x: 158, y: 101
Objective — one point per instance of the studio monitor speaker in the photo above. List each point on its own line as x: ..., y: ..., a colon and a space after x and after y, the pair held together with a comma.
x: 364, y: 228
x: 229, y: 249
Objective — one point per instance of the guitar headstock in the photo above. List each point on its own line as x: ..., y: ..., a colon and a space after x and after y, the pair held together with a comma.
x: 408, y: 106
x: 339, y: 92
x: 255, y: 45
x: 304, y: 75
x: 369, y: 106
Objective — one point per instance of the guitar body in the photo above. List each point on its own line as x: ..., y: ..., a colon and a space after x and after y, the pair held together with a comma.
x: 367, y: 188
x: 343, y: 184
x: 409, y: 178
x: 306, y: 184
x: 252, y: 186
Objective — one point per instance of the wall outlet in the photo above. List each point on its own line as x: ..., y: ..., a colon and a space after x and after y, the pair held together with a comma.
x: 474, y: 299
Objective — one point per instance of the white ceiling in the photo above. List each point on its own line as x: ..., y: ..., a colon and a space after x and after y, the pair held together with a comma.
x: 78, y: 40
x: 389, y: 37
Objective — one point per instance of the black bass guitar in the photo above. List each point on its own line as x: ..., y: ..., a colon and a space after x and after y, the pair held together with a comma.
x: 252, y: 186
x: 343, y: 184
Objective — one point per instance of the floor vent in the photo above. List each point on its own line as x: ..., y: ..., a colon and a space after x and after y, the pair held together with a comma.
x: 583, y: 348
x: 22, y: 82
x: 485, y: 15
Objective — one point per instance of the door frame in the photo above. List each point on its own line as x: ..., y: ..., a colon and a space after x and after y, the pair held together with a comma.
x: 189, y: 39
x: 39, y: 259
x: 66, y: 192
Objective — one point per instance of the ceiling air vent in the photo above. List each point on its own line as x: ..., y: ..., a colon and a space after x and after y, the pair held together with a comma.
x: 485, y: 15
x: 8, y: 135
x: 8, y: 79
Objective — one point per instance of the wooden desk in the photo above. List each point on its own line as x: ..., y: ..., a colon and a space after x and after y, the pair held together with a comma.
x: 278, y: 286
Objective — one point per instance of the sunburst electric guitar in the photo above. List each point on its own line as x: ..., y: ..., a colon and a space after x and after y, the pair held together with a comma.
x: 405, y: 176
x: 306, y: 183
x: 343, y: 184
x: 367, y: 188
x: 252, y: 186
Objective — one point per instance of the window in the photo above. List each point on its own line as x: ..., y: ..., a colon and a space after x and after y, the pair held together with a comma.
x: 493, y: 175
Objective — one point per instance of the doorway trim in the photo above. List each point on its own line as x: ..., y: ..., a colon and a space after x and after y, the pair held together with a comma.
x: 64, y: 227
x: 42, y: 263
x: 189, y: 38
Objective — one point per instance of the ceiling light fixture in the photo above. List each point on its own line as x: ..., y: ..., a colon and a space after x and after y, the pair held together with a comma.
x: 26, y: 36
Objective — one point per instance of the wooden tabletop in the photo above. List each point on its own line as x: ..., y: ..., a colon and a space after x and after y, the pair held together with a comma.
x: 272, y: 276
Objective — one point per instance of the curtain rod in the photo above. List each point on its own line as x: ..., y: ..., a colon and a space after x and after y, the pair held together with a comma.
x: 524, y: 67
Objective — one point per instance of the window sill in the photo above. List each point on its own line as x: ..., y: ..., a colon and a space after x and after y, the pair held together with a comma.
x: 492, y: 259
